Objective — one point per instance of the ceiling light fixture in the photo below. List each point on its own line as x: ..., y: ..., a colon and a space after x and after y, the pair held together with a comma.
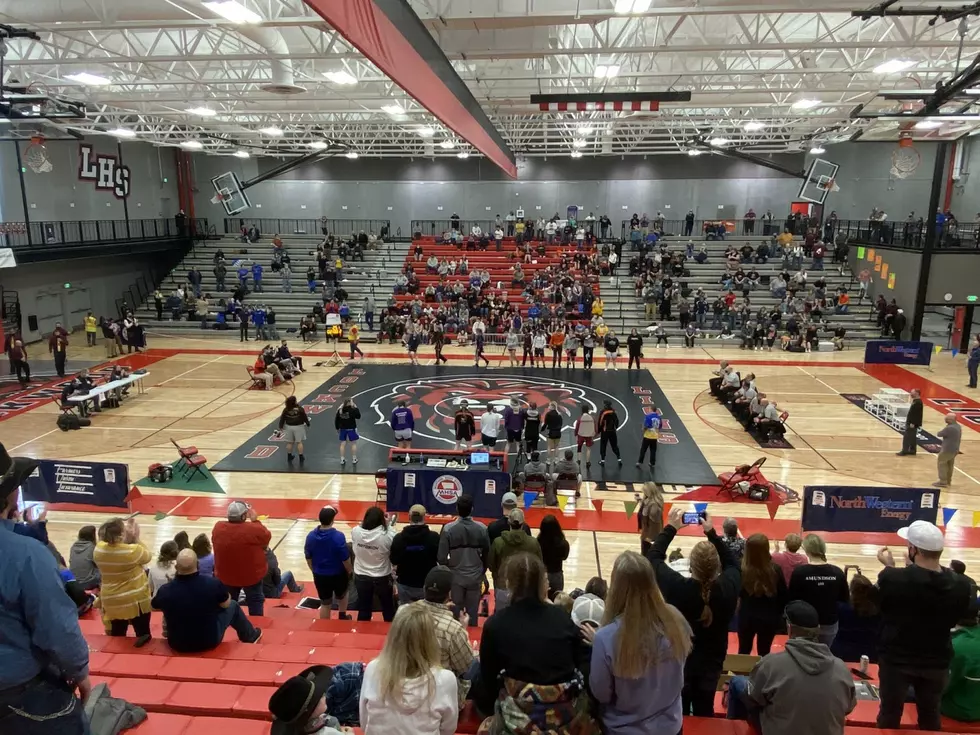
x: 447, y: 145
x: 351, y: 155
x: 579, y: 143
x: 194, y: 145
x: 576, y: 154
x: 393, y: 109
x: 271, y: 130
x: 893, y: 66
x: 233, y: 11
x: 201, y: 111
x: 318, y: 145
x: 928, y: 124
x: 625, y: 7
x: 123, y: 133
x: 426, y: 131
x: 719, y: 142
x: 585, y: 129
x: 241, y: 154
x: 340, y: 77
x: 694, y: 152
x: 462, y: 154
x: 606, y: 71
x: 817, y: 150
x: 805, y: 104
x: 753, y: 127
x: 93, y: 80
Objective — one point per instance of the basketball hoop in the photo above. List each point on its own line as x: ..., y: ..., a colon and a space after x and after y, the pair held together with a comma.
x: 829, y: 185
x: 905, y: 158
x: 220, y: 196
x: 36, y: 156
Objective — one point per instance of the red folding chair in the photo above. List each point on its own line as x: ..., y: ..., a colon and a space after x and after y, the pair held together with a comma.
x: 744, y: 473
x: 186, y: 453
x: 194, y: 466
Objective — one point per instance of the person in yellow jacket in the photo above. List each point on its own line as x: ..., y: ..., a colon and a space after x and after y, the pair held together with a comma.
x: 597, y: 307
x: 125, y: 593
x: 91, y: 325
x: 353, y: 337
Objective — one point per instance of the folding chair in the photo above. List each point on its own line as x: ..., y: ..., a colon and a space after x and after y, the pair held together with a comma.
x: 194, y: 466
x: 744, y: 473
x: 257, y: 382
x: 186, y: 453
x: 66, y: 407
x: 568, y: 482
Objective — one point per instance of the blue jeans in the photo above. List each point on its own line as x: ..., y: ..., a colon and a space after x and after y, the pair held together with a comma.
x: 971, y: 368
x: 286, y: 582
x: 41, y: 707
x: 254, y: 597
x: 738, y: 702
x: 408, y: 594
x: 233, y: 617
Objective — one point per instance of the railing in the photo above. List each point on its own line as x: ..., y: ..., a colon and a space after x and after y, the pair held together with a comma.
x: 21, y: 235
x: 273, y: 226
x: 910, y: 235
x: 734, y: 227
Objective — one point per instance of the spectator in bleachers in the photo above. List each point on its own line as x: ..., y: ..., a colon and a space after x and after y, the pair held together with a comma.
x: 733, y: 539
x: 163, y: 570
x: 405, y: 690
x: 239, y: 554
x: 707, y: 600
x: 43, y: 656
x: 788, y: 560
x: 276, y: 581
x: 638, y: 655
x: 820, y: 584
x: 414, y: 553
x: 81, y: 560
x: 554, y: 551
x: 125, y: 591
x: 456, y: 655
x: 197, y: 610
x: 464, y: 547
x: 512, y: 541
x: 961, y: 699
x: 803, y: 689
x: 371, y: 541
x: 539, y: 654
x: 328, y: 557
x: 762, y: 599
x: 920, y: 603
x: 650, y: 514
x: 205, y: 554
x: 858, y: 622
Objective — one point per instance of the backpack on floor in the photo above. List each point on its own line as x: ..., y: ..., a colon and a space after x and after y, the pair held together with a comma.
x: 71, y: 422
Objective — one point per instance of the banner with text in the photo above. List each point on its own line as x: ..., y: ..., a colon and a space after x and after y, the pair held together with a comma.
x: 891, y: 352
x: 80, y: 483
x: 881, y: 509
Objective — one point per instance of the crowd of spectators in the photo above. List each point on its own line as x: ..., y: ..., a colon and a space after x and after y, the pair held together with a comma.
x: 754, y: 410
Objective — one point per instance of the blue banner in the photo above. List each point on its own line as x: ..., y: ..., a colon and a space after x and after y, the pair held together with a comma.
x: 876, y: 509
x: 81, y: 483
x: 890, y: 352
x: 439, y: 489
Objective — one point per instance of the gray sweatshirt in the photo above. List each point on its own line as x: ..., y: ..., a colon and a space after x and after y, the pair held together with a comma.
x: 803, y: 690
x: 81, y: 564
x: 464, y: 547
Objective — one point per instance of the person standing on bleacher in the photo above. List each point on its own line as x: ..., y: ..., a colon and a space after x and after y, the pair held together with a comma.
x: 239, y: 554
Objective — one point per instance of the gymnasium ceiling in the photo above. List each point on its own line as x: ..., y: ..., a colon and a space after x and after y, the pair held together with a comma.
x: 744, y: 63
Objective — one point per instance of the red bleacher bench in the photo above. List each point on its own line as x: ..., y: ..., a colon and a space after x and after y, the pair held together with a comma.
x: 206, y: 699
x: 226, y: 726
x: 162, y: 724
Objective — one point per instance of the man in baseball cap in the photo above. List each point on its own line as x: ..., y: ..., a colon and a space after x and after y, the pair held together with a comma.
x: 920, y: 603
x: 508, y: 501
x: 587, y: 610
x: 239, y: 554
x: 45, y: 656
x: 803, y: 688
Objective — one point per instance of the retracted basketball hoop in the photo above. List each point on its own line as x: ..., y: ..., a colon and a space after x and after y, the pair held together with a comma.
x: 36, y: 156
x: 905, y: 158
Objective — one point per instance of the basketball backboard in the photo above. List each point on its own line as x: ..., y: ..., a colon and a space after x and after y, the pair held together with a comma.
x: 229, y: 193
x: 821, y: 179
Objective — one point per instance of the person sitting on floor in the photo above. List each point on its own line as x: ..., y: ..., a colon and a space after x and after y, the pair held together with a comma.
x: 81, y: 561
x: 802, y: 689
x: 276, y: 581
x: 198, y: 610
x: 301, y: 705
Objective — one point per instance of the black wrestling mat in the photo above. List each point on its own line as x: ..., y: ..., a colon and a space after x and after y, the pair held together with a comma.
x: 434, y: 393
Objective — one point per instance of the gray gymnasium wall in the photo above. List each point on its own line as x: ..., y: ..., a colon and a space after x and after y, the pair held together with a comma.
x: 904, y: 264
x: 956, y: 274
x: 966, y: 190
x: 61, y: 195
x: 406, y: 189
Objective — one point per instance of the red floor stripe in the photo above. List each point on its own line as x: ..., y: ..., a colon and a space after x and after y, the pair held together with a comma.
x: 609, y: 520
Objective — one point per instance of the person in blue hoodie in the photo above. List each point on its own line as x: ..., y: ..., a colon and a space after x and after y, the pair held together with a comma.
x: 257, y: 276
x: 258, y: 319
x: 243, y: 277
x: 403, y: 424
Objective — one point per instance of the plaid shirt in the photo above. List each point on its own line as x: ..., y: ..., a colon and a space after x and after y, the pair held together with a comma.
x: 454, y: 643
x: 344, y: 692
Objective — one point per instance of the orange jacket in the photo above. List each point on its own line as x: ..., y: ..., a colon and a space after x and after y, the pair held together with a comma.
x: 557, y: 339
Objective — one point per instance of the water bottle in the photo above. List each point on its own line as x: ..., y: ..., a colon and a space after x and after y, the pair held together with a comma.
x: 864, y: 664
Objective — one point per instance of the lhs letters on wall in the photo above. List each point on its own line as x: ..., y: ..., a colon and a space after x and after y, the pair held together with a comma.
x: 104, y: 170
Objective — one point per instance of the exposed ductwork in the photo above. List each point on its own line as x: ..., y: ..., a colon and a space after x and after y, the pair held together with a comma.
x: 281, y: 68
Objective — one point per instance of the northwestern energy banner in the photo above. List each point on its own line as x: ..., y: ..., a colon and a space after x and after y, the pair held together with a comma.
x: 890, y: 352
x: 81, y: 483
x: 879, y: 509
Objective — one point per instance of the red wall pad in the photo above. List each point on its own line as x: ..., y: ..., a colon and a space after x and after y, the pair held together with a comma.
x: 391, y: 35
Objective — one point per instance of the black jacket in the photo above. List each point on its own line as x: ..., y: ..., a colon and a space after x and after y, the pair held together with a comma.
x: 914, y: 417
x: 347, y: 418
x: 711, y: 642
x: 764, y: 610
x: 295, y: 416
x: 414, y: 551
x: 553, y: 423
x: 530, y: 641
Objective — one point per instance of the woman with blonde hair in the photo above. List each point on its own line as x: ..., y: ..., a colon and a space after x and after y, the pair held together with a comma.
x: 707, y: 601
x: 762, y: 599
x: 638, y: 654
x: 822, y: 584
x: 650, y: 515
x: 405, y: 691
x: 125, y: 593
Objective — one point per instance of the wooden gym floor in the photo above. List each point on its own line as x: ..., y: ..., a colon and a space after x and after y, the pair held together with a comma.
x: 198, y: 394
